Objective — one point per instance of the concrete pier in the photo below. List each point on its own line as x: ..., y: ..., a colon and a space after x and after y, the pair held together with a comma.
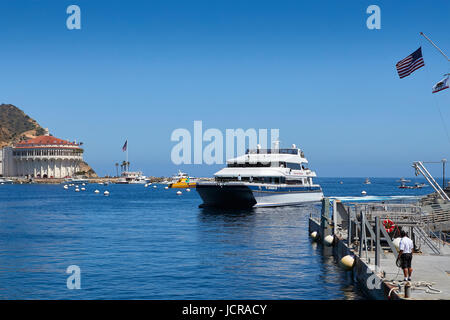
x: 375, y: 270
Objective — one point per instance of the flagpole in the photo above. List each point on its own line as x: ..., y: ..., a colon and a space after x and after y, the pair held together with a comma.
x: 442, y: 52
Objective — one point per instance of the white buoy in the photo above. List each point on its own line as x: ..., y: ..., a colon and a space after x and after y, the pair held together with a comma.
x: 106, y: 193
x: 396, y: 243
x: 188, y: 190
x: 146, y: 185
x: 314, y: 235
x: 83, y: 189
x: 83, y: 184
x: 96, y: 191
x: 328, y: 240
x: 66, y: 187
x: 179, y: 193
x: 154, y: 186
x: 77, y: 190
x: 347, y: 262
x: 166, y: 188
x: 363, y: 193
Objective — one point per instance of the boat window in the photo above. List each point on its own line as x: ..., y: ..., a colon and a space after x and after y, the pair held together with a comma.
x: 248, y: 165
x: 300, y: 181
x: 272, y: 151
x: 295, y: 166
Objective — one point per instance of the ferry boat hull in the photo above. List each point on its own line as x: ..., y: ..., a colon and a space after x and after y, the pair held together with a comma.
x: 225, y: 196
x: 241, y: 195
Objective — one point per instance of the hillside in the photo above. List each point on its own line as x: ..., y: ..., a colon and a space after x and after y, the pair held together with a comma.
x: 15, y: 126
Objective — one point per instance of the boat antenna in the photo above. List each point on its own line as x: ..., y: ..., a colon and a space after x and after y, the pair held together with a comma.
x: 442, y: 52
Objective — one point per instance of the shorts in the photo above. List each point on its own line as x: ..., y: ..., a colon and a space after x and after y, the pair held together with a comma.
x: 405, y: 260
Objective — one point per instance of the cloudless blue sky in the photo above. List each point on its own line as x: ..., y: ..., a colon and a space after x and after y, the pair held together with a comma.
x: 141, y: 69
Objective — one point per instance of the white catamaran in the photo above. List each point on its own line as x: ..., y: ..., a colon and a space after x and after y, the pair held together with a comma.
x: 262, y: 178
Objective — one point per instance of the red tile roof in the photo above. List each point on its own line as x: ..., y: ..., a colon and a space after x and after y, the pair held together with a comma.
x: 45, y: 141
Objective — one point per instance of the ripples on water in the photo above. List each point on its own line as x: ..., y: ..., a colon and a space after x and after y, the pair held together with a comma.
x: 146, y: 243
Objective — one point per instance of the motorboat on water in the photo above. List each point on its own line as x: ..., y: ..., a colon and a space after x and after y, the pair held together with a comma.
x: 182, y: 180
x: 75, y: 180
x: 367, y: 181
x: 133, y: 177
x: 262, y: 178
x: 6, y: 181
x: 419, y: 185
x: 183, y: 183
x: 403, y: 185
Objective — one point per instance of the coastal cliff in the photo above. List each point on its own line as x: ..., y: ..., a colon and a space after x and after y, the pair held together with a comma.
x: 16, y: 126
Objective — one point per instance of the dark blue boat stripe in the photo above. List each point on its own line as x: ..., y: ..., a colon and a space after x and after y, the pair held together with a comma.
x: 286, y: 189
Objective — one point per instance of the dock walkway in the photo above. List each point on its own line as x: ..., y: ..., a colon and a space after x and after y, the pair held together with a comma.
x: 374, y: 252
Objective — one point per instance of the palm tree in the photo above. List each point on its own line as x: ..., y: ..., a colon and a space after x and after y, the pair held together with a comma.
x: 117, y: 169
x: 124, y: 165
x: 128, y: 165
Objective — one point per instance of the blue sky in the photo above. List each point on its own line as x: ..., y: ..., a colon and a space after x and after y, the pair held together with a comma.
x: 141, y: 69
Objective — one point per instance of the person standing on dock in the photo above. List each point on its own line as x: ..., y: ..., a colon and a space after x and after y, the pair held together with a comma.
x: 406, y: 247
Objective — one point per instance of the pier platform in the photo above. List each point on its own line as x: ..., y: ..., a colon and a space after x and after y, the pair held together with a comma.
x: 355, y: 231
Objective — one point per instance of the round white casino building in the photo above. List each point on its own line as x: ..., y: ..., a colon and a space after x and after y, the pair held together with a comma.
x: 45, y: 157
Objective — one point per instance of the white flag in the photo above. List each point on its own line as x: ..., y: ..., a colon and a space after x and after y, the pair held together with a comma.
x: 441, y: 85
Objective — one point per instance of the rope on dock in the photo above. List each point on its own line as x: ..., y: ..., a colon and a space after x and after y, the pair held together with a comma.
x: 415, y: 285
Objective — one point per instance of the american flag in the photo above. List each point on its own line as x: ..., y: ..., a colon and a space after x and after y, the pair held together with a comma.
x: 410, y: 64
x: 124, y: 148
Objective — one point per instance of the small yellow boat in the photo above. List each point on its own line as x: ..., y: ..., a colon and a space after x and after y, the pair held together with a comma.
x: 183, y: 183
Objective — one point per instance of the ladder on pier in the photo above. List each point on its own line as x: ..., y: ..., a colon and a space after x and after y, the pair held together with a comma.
x: 420, y: 168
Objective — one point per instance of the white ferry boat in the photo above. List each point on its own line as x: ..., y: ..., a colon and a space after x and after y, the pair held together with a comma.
x: 133, y: 177
x: 262, y: 178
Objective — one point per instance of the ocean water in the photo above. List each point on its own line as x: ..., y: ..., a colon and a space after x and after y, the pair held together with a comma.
x: 149, y: 243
